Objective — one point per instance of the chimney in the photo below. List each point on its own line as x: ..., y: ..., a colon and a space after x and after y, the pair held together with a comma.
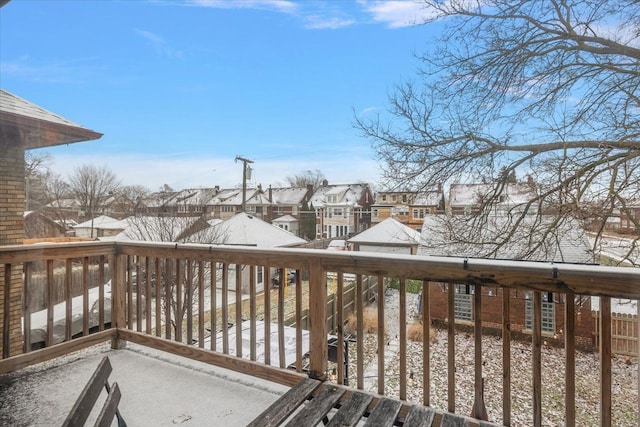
x: 270, y: 194
x: 325, y: 183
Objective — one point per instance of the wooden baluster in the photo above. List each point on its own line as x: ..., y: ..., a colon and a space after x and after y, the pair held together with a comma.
x: 506, y: 356
x: 605, y: 362
x: 26, y: 305
x: 225, y: 308
x: 570, y: 359
x: 281, y: 289
x: 101, y: 295
x: 403, y: 338
x: 451, y: 349
x: 179, y: 303
x: 85, y: 296
x: 68, y: 295
x: 339, y: 327
x: 189, y: 301
x: 238, y: 304
x: 426, y: 344
x: 214, y: 306
x: 360, y: 331
x: 381, y: 337
x: 147, y: 296
x: 252, y: 311
x: 536, y: 337
x: 298, y: 321
x: 201, y: 304
x: 158, y: 295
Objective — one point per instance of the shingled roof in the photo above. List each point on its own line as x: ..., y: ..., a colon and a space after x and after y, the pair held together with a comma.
x: 42, y: 127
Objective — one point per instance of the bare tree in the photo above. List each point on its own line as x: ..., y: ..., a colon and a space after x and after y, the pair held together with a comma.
x: 183, y: 229
x: 92, y: 186
x: 548, y: 89
x: 58, y: 193
x: 307, y: 177
x: 35, y: 172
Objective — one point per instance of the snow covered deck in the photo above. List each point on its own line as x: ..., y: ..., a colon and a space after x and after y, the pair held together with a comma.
x: 158, y: 389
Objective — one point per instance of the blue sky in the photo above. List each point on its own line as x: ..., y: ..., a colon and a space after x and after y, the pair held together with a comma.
x: 180, y: 88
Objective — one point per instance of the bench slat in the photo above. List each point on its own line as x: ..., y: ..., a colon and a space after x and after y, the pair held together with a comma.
x: 384, y: 413
x: 109, y: 408
x: 350, y: 413
x: 82, y: 408
x: 319, y: 406
x: 286, y: 404
x: 419, y: 416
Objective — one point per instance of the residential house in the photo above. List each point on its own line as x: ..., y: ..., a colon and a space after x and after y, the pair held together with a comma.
x: 288, y: 201
x: 247, y: 230
x: 389, y: 236
x: 342, y: 209
x: 407, y: 207
x: 100, y: 226
x: 39, y: 226
x: 288, y: 223
x: 466, y: 199
x: 450, y: 235
x: 630, y: 217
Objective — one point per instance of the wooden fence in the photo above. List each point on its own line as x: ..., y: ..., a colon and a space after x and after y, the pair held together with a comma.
x: 624, y: 333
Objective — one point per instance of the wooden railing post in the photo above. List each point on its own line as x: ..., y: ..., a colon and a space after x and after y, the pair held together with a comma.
x: 118, y: 279
x: 318, y: 354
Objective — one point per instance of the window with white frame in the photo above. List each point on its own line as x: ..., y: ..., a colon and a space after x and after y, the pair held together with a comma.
x: 547, y: 309
x: 463, y: 302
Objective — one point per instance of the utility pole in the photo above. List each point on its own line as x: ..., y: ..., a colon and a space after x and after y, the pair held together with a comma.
x: 245, y: 162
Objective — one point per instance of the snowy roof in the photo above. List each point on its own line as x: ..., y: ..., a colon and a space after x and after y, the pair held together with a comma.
x: 104, y: 222
x: 285, y: 218
x: 445, y: 235
x: 430, y: 198
x: 44, y: 127
x: 245, y: 229
x: 390, y: 232
x: 471, y: 194
x: 155, y: 228
x: 288, y: 196
x: 346, y: 195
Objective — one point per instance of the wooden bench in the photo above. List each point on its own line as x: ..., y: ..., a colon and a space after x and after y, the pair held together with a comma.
x: 310, y: 402
x: 87, y: 399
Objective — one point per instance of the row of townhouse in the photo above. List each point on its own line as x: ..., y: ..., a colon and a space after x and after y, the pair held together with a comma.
x: 411, y: 208
x: 340, y: 210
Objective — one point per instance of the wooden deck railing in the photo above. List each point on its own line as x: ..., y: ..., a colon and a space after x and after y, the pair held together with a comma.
x: 161, y: 295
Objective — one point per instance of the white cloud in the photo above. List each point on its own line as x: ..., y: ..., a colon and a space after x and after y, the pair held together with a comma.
x: 316, y: 22
x: 159, y: 44
x: 397, y: 14
x: 283, y: 6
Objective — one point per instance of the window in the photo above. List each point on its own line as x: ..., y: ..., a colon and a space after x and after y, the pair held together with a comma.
x: 259, y: 274
x: 463, y: 303
x: 404, y: 198
x: 375, y: 213
x: 548, y: 312
x: 384, y: 197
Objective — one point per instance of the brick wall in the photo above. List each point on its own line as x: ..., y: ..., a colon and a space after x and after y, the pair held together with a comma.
x: 492, y: 315
x: 12, y: 201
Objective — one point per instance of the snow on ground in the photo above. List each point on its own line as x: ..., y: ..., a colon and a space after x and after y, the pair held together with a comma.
x: 624, y: 375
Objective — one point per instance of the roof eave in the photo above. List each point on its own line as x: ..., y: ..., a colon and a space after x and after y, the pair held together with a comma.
x: 42, y: 133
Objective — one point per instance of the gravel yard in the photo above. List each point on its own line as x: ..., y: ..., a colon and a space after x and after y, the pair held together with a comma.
x: 624, y: 371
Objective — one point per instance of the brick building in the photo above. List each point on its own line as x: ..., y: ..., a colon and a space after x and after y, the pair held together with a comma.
x: 23, y: 126
x: 449, y: 236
